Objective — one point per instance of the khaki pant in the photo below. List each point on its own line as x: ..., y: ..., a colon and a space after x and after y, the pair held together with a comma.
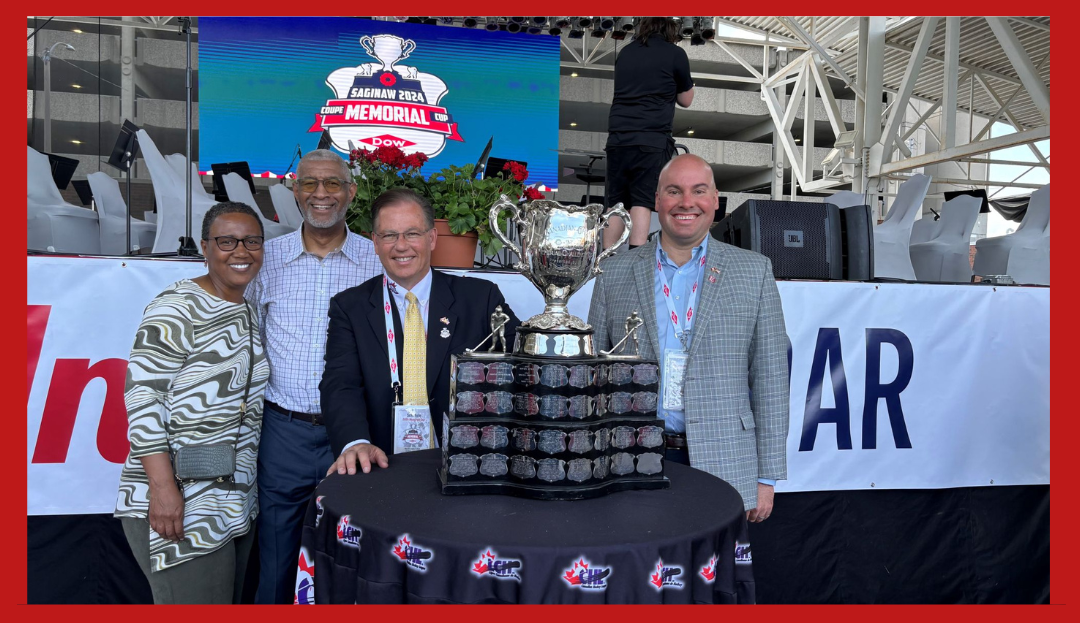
x: 214, y: 578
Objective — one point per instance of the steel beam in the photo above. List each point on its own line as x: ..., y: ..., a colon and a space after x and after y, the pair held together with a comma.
x: 994, y: 118
x: 875, y: 68
x: 1008, y: 115
x: 832, y: 109
x: 775, y: 111
x: 907, y: 85
x: 951, y: 83
x: 1021, y: 62
x: 805, y: 36
x: 738, y: 59
x: 809, y: 124
x: 945, y: 155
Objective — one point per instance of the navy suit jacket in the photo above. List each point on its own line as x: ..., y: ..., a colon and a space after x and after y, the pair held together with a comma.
x: 357, y: 400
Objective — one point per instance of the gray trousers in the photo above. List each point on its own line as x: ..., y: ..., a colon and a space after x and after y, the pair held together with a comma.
x: 214, y: 578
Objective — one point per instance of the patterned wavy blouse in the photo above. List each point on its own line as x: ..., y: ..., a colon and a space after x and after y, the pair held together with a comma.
x: 185, y: 383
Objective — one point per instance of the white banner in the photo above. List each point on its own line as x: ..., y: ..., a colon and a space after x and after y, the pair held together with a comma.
x: 964, y: 370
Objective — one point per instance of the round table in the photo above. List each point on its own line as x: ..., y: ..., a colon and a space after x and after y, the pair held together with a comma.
x: 390, y: 536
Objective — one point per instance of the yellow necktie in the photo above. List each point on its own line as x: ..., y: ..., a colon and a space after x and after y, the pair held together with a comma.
x: 414, y: 368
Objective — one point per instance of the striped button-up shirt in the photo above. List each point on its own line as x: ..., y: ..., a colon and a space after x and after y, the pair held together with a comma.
x: 292, y: 296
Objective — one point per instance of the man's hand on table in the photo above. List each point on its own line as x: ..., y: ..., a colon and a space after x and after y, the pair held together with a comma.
x: 363, y: 453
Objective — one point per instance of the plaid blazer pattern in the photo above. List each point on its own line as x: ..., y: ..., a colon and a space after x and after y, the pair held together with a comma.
x: 736, y: 385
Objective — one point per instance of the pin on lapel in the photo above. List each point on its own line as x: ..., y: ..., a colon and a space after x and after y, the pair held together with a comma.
x: 444, y: 320
x: 712, y: 278
x: 444, y: 333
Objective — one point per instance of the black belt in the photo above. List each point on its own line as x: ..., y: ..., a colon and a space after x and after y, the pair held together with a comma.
x: 676, y: 441
x: 313, y: 418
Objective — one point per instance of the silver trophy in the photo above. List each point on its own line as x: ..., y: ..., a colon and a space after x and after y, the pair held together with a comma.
x: 561, y: 249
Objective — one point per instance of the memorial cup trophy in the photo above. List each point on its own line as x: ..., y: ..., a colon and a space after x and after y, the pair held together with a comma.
x: 554, y: 418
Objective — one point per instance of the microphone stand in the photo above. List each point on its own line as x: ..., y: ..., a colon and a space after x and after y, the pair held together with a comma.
x: 295, y: 156
x: 187, y: 244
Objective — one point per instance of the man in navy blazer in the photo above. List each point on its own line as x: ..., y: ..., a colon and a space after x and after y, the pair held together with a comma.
x: 357, y: 398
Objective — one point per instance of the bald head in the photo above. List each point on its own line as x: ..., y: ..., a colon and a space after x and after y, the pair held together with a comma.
x: 686, y: 201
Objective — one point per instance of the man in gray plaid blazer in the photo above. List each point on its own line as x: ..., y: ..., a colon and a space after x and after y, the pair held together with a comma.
x: 715, y: 309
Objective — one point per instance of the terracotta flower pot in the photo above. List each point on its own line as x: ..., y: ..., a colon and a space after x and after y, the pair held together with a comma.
x: 453, y: 250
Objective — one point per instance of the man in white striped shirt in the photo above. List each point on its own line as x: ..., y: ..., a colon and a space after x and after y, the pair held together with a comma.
x: 301, y: 272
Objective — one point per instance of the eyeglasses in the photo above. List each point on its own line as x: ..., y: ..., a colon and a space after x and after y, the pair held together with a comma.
x: 228, y: 243
x: 391, y: 237
x: 331, y: 184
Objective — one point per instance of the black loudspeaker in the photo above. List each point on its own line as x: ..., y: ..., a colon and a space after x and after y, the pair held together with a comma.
x: 802, y: 239
x: 857, y: 230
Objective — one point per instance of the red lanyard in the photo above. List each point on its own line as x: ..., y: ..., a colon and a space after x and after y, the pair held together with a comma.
x: 682, y: 325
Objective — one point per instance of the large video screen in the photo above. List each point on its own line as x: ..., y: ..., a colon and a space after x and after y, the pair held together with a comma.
x: 270, y: 84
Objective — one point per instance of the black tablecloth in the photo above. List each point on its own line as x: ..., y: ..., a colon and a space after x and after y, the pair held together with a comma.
x: 390, y: 536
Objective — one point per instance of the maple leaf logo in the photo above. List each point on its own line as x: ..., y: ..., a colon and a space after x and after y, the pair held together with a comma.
x: 573, y: 575
x: 709, y: 571
x: 401, y: 549
x: 481, y: 566
x: 656, y: 579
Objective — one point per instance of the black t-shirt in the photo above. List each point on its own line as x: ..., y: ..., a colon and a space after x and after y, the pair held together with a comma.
x: 647, y: 79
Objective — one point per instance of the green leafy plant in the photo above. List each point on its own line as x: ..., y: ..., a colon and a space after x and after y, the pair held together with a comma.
x: 462, y: 201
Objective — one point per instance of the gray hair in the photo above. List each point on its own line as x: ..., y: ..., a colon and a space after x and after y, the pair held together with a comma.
x: 325, y: 155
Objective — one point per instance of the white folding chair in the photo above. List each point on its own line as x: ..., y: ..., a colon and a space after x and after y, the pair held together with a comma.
x: 992, y: 254
x: 1029, y: 262
x: 170, y: 192
x: 112, y: 210
x: 893, y: 235
x: 285, y: 205
x: 239, y: 190
x: 947, y: 256
x: 53, y: 224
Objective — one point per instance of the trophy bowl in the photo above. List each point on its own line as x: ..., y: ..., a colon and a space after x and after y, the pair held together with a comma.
x: 560, y: 251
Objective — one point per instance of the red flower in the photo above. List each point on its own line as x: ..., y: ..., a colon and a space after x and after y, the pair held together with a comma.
x: 388, y: 79
x: 517, y: 170
x: 532, y: 194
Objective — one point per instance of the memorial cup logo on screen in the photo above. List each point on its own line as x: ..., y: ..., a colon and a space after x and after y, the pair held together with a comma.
x: 492, y: 565
x: 665, y: 576
x: 583, y: 574
x: 305, y: 579
x: 411, y: 554
x: 385, y: 103
x: 347, y: 534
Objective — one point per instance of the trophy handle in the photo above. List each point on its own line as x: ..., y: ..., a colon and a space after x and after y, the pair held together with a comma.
x: 407, y: 49
x: 368, y: 44
x: 619, y: 211
x: 504, y: 204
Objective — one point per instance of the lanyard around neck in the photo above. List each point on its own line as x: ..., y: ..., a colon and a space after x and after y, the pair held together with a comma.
x: 682, y: 324
x: 391, y: 341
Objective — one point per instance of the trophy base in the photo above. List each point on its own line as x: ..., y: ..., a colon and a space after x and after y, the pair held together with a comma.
x: 565, y: 492
x: 554, y: 344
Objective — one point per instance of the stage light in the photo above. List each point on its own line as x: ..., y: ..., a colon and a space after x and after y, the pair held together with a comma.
x: 628, y: 24
x: 690, y: 131
x: 687, y: 26
x: 77, y: 30
x: 78, y: 142
x: 619, y: 35
x: 576, y: 33
x: 540, y: 21
x: 573, y: 74
x: 562, y: 22
x: 517, y: 20
x: 599, y: 33
x: 76, y: 86
x: 607, y: 23
x: 446, y: 21
x: 708, y: 29
x: 573, y: 124
x: 584, y: 22
x: 491, y: 24
x: 513, y: 26
x: 554, y: 31
x: 469, y: 22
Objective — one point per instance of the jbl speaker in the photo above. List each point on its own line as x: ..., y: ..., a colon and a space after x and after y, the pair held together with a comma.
x: 857, y: 229
x: 803, y: 239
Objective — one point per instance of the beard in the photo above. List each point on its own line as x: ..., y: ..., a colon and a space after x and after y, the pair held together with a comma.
x: 323, y: 222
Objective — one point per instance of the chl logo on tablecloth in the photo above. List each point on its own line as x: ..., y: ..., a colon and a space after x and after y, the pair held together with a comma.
x: 664, y: 577
x: 585, y: 575
x: 411, y: 554
x: 742, y: 554
x: 491, y: 565
x: 348, y: 534
x: 385, y: 104
x: 305, y: 579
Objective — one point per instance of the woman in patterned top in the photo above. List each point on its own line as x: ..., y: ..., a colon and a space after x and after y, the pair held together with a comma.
x: 186, y: 382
